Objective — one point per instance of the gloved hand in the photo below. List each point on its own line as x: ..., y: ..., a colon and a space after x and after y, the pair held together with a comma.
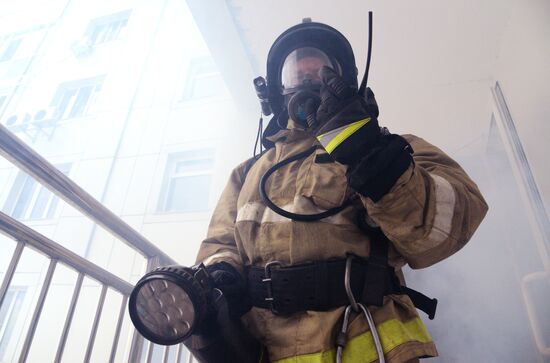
x: 233, y: 286
x: 349, y: 128
x: 350, y: 133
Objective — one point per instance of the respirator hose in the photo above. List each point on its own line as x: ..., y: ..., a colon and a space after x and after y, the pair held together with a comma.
x: 285, y: 213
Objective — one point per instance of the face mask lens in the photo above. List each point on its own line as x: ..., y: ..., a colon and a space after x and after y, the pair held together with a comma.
x: 301, y: 67
x: 165, y: 309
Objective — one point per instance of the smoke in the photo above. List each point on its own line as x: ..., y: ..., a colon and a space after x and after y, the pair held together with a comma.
x: 482, y: 313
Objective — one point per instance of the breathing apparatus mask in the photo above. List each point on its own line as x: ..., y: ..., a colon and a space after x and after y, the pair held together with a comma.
x: 293, y: 65
x: 301, y: 82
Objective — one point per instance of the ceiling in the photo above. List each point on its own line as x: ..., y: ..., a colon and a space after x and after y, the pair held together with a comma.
x: 432, y: 62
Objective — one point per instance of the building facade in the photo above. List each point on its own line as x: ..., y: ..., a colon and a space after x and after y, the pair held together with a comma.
x: 125, y: 99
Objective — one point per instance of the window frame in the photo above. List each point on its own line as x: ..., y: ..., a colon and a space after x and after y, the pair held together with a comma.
x: 195, y: 74
x: 49, y: 211
x: 170, y: 174
x: 95, y: 26
x: 64, y: 109
x: 5, y: 45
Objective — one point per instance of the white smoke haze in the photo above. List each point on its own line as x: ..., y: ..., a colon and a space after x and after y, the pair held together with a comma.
x: 482, y: 315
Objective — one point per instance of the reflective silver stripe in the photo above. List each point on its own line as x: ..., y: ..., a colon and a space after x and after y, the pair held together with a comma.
x: 269, y: 216
x: 223, y: 255
x: 445, y: 200
x: 251, y: 212
x: 259, y: 213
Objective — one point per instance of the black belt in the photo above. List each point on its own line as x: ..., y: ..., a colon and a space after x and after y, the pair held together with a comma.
x: 319, y: 286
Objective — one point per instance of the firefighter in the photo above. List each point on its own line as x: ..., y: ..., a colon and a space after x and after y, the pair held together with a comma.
x: 418, y: 204
x: 305, y: 249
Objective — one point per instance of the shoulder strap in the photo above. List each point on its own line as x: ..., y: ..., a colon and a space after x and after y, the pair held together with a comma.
x: 377, y: 280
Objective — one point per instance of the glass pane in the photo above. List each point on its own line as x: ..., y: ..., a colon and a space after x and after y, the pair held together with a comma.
x: 39, y: 208
x: 10, y: 49
x: 208, y: 85
x: 81, y: 101
x: 188, y: 193
x: 194, y: 165
x: 15, y: 192
x: 7, y: 247
x: 24, y: 198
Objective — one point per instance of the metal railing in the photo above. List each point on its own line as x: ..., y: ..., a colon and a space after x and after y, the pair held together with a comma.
x: 39, y: 168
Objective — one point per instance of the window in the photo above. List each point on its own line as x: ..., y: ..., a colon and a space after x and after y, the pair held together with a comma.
x: 187, y: 180
x: 2, y: 100
x: 106, y: 28
x: 8, y: 316
x: 203, y: 80
x: 30, y: 200
x: 76, y: 98
x: 8, y: 47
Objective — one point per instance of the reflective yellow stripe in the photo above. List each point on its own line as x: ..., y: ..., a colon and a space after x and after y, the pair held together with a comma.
x: 360, y: 349
x: 344, y: 134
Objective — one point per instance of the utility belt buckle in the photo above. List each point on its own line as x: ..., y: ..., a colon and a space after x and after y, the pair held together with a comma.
x: 267, y: 280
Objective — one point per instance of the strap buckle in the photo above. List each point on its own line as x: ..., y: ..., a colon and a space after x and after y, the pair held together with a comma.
x: 267, y: 280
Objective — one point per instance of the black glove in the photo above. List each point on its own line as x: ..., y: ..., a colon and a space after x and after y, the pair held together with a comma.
x: 233, y: 286
x: 350, y: 133
x: 348, y: 126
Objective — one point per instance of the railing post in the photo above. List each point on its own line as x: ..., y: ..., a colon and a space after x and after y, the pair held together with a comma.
x: 95, y: 324
x: 69, y: 318
x: 118, y: 328
x: 37, y: 312
x: 11, y: 270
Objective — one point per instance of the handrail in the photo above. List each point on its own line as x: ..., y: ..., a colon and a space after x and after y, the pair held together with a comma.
x: 55, y: 251
x: 16, y: 151
x: 24, y: 157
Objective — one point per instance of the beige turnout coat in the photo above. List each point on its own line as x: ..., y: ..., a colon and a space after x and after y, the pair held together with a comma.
x: 429, y: 214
